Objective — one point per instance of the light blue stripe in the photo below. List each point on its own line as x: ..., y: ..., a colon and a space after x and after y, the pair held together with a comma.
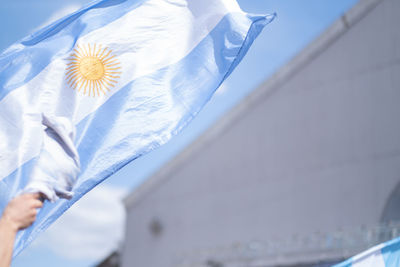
x: 22, y: 62
x: 391, y: 253
x: 195, y: 79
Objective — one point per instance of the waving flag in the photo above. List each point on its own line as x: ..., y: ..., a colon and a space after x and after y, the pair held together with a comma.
x: 86, y: 95
x: 383, y: 255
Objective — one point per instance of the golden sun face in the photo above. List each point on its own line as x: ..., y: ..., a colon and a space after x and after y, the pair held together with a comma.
x: 92, y: 70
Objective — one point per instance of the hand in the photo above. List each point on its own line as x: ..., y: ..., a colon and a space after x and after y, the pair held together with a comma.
x: 21, y: 212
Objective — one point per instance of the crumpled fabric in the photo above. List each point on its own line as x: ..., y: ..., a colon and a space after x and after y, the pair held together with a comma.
x: 58, y: 165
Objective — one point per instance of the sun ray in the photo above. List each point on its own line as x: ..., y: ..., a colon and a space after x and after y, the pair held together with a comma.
x: 77, y: 52
x: 94, y: 88
x: 113, y: 72
x: 103, y: 83
x: 100, y: 87
x: 71, y: 67
x: 96, y: 85
x: 109, y: 58
x: 71, y: 80
x: 114, y: 68
x: 88, y: 50
x: 71, y: 77
x: 86, y: 86
x: 84, y: 50
x: 109, y: 79
x: 79, y: 86
x: 72, y: 62
x: 104, y: 57
x: 87, y: 89
x: 111, y: 61
x: 102, y: 52
x: 71, y: 73
x: 91, y: 50
x: 98, y: 51
x: 74, y: 58
x: 76, y: 83
x: 108, y: 66
x: 113, y: 76
x: 107, y: 82
x: 81, y: 52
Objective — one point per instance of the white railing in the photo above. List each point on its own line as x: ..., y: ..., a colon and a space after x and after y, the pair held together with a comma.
x: 315, y: 247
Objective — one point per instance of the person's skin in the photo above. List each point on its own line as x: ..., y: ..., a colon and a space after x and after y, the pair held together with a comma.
x: 19, y: 214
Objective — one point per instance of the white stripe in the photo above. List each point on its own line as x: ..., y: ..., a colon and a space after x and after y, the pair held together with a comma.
x: 176, y: 26
x: 370, y: 258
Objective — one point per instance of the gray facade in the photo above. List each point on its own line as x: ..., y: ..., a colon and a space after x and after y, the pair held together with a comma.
x: 305, y: 170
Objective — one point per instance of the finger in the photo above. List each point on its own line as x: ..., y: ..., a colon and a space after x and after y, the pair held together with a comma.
x: 36, y: 195
x: 39, y: 196
x: 37, y: 204
x: 30, y: 196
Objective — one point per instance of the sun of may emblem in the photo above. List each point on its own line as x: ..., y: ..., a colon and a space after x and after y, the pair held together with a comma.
x: 92, y: 70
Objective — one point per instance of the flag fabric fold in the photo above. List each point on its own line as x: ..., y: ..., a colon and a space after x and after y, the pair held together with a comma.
x: 97, y: 89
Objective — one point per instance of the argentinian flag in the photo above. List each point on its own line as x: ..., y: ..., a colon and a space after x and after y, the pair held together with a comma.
x: 86, y: 95
x: 383, y: 255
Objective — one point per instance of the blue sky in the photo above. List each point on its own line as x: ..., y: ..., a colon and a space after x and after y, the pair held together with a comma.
x: 86, y: 233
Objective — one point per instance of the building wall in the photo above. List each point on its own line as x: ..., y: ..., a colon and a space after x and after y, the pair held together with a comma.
x: 314, y: 156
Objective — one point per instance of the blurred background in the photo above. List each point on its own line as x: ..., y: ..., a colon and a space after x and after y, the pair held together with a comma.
x: 294, y: 162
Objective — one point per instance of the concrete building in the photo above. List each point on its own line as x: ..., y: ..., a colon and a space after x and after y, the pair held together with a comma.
x: 303, y: 172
